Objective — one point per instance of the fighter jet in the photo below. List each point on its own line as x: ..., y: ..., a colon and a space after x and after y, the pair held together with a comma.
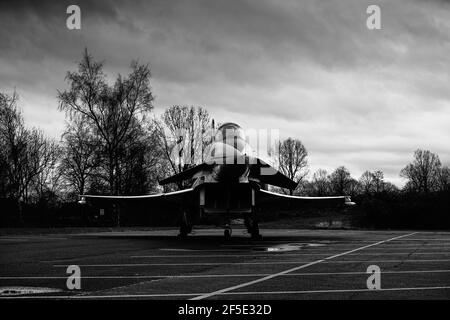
x: 232, y: 183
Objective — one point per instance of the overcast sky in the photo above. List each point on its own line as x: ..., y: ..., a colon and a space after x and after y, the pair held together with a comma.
x: 365, y: 99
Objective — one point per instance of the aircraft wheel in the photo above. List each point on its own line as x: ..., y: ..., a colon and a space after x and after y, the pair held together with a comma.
x: 182, y: 235
x: 184, y: 230
x: 255, y: 231
x: 227, y: 233
x: 257, y: 236
x: 248, y: 225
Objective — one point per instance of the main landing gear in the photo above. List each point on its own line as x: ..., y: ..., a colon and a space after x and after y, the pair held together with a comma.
x: 185, y: 227
x: 184, y: 230
x: 253, y: 228
x: 227, y: 232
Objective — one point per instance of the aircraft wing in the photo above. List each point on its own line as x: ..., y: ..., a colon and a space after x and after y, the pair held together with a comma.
x: 185, y: 175
x: 285, y: 201
x: 175, y: 197
x: 269, y: 175
x: 277, y: 179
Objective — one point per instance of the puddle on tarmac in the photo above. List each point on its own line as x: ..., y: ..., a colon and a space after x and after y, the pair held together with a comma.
x: 288, y: 247
x: 17, y: 291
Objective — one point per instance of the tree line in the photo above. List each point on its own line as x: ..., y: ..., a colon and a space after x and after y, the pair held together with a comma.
x: 114, y: 144
x: 425, y: 174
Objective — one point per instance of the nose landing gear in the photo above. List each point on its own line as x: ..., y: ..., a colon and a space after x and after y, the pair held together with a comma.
x: 184, y: 230
x: 253, y: 228
x: 185, y: 227
x: 227, y: 232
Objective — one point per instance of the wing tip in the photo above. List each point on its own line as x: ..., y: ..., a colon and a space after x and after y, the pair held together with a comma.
x: 82, y: 200
x: 349, y: 202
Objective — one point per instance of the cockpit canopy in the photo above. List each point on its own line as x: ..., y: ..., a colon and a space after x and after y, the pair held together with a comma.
x: 228, y: 131
x: 228, y: 139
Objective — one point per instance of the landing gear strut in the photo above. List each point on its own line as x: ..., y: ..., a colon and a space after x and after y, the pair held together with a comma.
x: 185, y: 227
x: 227, y: 232
x: 184, y: 231
x: 253, y: 228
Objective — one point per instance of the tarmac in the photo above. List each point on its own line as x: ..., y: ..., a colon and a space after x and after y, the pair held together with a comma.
x: 287, y: 264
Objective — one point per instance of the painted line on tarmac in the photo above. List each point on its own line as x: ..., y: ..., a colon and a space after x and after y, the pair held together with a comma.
x: 198, y: 250
x: 33, y: 238
x: 313, y: 250
x: 335, y: 291
x: 167, y: 295
x: 338, y: 246
x: 222, y: 275
x: 392, y: 244
x: 281, y: 254
x: 180, y: 264
x: 412, y: 246
x: 425, y: 239
x: 203, y: 296
x: 244, y: 263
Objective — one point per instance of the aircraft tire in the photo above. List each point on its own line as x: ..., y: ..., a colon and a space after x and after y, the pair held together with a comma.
x: 184, y: 231
x: 257, y: 236
x: 255, y: 231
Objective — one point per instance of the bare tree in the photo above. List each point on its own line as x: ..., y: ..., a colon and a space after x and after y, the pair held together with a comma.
x: 389, y: 187
x: 372, y: 182
x: 320, y: 183
x: 292, y: 160
x: 203, y: 131
x: 44, y: 158
x: 139, y: 160
x: 423, y: 173
x: 80, y: 156
x: 183, y: 134
x: 444, y: 179
x: 27, y: 151
x: 3, y: 170
x: 353, y: 188
x: 14, y: 136
x: 111, y: 110
x: 378, y: 181
x: 366, y: 182
x: 28, y: 155
x: 167, y: 146
x: 340, y: 180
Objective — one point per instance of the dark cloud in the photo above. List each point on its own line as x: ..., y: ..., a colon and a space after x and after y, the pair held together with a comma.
x: 360, y: 98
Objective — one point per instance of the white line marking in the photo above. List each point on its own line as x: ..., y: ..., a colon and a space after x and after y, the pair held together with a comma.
x: 349, y: 245
x: 221, y: 275
x: 200, y: 297
x: 244, y: 263
x: 200, y: 250
x: 336, y: 291
x: 424, y: 239
x: 177, y: 264
x: 134, y: 296
x: 32, y: 238
x: 280, y: 254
